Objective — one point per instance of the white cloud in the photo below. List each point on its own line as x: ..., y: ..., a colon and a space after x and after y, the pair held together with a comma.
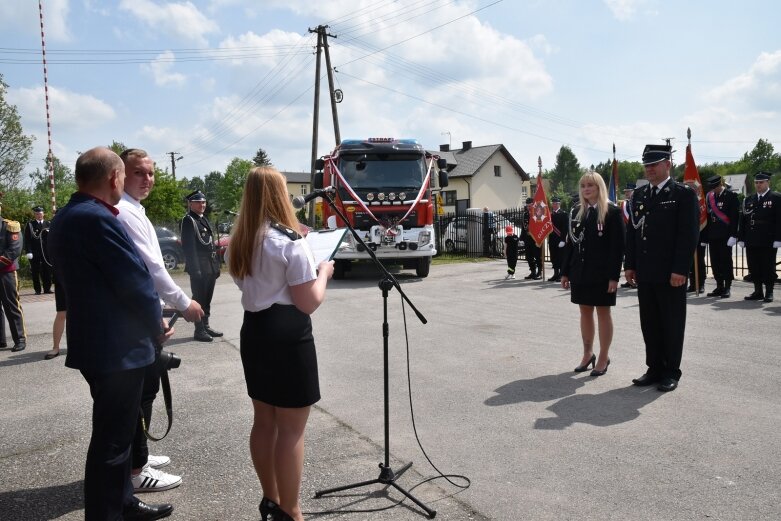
x: 23, y: 13
x: 69, y: 110
x: 181, y: 20
x: 625, y: 9
x: 759, y: 88
x: 160, y: 69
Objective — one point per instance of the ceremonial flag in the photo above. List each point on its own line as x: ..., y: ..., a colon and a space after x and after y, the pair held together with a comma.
x: 613, y: 187
x: 692, y: 177
x: 540, y: 224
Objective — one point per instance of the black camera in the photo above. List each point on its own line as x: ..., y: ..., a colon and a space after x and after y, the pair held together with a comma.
x: 167, y: 360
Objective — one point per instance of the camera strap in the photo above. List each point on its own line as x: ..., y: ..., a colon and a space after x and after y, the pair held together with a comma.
x: 169, y: 409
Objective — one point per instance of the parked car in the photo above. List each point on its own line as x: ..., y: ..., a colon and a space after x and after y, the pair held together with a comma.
x: 170, y: 247
x: 456, y: 235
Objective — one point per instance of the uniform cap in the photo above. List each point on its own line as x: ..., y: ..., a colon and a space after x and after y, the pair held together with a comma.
x: 655, y: 153
x: 196, y: 196
x: 509, y: 229
x: 555, y: 200
x: 713, y: 181
x: 762, y: 176
x: 37, y: 208
x: 630, y: 186
x: 529, y: 200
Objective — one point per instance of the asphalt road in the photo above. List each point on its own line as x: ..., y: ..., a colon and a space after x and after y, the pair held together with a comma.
x: 494, y: 399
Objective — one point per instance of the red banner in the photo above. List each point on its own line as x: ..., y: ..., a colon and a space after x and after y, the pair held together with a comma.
x: 540, y: 224
x: 692, y: 177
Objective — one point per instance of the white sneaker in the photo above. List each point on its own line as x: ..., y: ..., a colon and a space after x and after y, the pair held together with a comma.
x: 157, y: 461
x: 153, y: 480
x: 512, y: 276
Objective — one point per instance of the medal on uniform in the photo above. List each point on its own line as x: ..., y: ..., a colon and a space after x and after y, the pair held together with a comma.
x: 599, y: 229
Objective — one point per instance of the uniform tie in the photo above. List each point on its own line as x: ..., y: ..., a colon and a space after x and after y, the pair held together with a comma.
x: 654, y: 191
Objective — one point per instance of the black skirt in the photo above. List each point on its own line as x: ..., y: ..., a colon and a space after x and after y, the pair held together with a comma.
x: 592, y: 294
x: 279, y: 359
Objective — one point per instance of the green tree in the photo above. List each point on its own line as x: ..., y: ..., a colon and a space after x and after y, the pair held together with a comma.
x: 211, y: 184
x: 230, y: 189
x: 15, y: 146
x: 118, y: 147
x: 566, y: 172
x: 164, y: 204
x: 261, y: 158
x: 64, y: 184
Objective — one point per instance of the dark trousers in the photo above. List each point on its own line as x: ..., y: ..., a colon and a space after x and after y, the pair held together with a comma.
x: 533, y: 255
x: 115, y: 400
x: 512, y: 260
x: 700, y: 267
x: 721, y: 260
x: 203, y: 291
x: 762, y: 263
x: 140, y: 449
x: 555, y: 256
x: 42, y: 275
x: 9, y: 298
x: 663, y: 321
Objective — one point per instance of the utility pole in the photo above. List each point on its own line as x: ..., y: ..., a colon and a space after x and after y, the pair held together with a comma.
x: 331, y: 90
x: 173, y: 162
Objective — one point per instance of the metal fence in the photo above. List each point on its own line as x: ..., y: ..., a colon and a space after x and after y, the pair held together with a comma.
x: 469, y: 235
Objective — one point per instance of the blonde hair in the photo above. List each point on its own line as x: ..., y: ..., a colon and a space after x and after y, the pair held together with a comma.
x: 265, y: 199
x: 602, y: 203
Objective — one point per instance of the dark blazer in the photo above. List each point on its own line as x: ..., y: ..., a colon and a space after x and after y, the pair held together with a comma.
x: 760, y: 223
x: 598, y: 256
x: 198, y: 244
x: 32, y: 237
x: 727, y: 203
x: 10, y: 245
x: 113, y: 311
x: 560, y: 221
x: 662, y: 233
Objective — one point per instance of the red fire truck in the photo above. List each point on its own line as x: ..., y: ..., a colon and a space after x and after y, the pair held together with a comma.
x: 383, y: 187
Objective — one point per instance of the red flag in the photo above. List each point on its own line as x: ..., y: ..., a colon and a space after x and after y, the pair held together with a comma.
x: 540, y: 224
x: 692, y: 177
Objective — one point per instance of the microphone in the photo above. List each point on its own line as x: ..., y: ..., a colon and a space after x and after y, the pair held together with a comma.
x: 301, y: 200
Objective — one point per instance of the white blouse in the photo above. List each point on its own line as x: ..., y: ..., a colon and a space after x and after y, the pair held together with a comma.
x: 279, y: 263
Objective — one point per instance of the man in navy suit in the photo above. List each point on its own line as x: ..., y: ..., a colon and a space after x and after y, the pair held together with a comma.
x: 660, y: 240
x: 113, y: 315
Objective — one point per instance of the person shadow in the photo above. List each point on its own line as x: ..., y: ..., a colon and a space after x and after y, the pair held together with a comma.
x: 540, y: 389
x: 43, y: 503
x: 600, y: 410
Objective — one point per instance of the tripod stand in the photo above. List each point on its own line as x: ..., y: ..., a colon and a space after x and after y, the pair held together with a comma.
x: 388, y: 281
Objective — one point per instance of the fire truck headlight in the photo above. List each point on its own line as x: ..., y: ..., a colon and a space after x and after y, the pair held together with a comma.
x: 370, y: 196
x: 381, y: 196
x: 402, y: 196
x: 424, y: 238
x: 392, y: 196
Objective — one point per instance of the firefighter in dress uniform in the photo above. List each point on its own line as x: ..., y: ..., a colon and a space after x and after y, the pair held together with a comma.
x: 10, y: 248
x: 201, y: 261
x: 626, y: 209
x: 33, y: 245
x: 533, y: 252
x: 556, y: 238
x: 760, y: 233
x: 721, y: 231
x: 660, y: 242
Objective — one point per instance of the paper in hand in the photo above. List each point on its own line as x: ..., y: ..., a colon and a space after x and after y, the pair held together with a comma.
x: 325, y: 243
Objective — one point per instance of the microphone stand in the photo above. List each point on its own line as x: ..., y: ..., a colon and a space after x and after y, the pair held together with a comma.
x: 387, y: 282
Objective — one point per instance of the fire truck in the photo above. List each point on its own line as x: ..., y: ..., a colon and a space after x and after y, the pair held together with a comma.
x: 383, y: 186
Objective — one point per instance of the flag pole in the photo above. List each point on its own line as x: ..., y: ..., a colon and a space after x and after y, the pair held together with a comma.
x: 542, y: 249
x: 697, y: 248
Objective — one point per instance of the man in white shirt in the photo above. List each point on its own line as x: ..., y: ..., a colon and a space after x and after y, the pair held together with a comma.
x: 139, y: 181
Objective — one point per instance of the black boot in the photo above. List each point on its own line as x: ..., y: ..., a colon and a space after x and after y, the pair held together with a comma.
x: 757, y: 295
x: 768, y: 292
x: 208, y: 329
x: 726, y: 293
x: 200, y: 333
x: 718, y: 291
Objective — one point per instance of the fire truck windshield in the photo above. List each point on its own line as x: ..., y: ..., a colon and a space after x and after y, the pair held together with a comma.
x: 383, y: 171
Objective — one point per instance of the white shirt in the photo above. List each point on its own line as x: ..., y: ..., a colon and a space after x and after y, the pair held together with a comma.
x: 141, y: 231
x: 278, y: 264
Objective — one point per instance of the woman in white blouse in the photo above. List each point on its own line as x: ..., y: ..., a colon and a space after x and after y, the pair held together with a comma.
x: 280, y: 285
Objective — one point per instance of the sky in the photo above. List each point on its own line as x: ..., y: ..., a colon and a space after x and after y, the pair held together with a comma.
x: 217, y: 79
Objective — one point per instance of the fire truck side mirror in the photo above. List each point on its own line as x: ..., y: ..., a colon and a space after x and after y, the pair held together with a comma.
x: 442, y: 163
x: 318, y: 180
x: 443, y: 180
x: 319, y: 164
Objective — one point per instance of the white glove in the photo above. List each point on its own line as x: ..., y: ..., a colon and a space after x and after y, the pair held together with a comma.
x: 521, y: 243
x: 703, y: 244
x: 741, y: 244
x: 30, y: 256
x: 732, y: 241
x: 561, y: 244
x: 776, y: 244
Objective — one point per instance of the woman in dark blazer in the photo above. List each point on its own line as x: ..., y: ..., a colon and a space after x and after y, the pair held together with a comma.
x: 591, y: 268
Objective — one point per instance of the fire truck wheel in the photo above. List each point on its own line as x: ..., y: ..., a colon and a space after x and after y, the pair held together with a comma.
x: 423, y: 267
x: 339, y: 269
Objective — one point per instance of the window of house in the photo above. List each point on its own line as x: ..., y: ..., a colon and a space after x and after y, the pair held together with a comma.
x: 304, y: 189
x: 524, y: 193
x: 450, y: 197
x: 497, y: 171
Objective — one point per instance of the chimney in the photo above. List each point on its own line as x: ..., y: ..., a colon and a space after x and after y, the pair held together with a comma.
x: 466, y: 145
x: 444, y: 148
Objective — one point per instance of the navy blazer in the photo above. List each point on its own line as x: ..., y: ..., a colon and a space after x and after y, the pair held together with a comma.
x: 598, y: 257
x: 113, y: 311
x: 662, y: 233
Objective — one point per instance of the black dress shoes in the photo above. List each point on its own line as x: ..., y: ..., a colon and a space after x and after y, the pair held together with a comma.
x: 754, y: 296
x: 212, y: 332
x: 202, y: 336
x: 21, y: 346
x: 645, y: 380
x: 143, y: 512
x: 667, y: 385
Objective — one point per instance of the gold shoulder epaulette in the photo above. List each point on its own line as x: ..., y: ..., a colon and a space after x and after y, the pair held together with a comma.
x: 13, y: 226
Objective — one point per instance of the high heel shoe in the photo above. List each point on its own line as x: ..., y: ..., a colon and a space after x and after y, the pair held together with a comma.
x: 268, y: 507
x: 600, y: 373
x: 584, y: 367
x: 281, y: 515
